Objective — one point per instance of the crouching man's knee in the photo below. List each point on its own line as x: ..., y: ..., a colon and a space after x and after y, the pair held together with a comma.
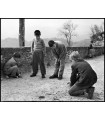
x: 70, y: 93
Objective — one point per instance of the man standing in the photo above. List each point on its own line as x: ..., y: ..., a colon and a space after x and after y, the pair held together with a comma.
x: 38, y: 53
x: 59, y: 51
x: 91, y: 50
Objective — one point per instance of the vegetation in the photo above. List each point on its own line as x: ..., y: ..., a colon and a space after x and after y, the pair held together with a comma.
x: 68, y: 31
x: 97, y: 33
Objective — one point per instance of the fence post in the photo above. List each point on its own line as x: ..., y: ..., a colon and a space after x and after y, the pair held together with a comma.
x: 21, y: 32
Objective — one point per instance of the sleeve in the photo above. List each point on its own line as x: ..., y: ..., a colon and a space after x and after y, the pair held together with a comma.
x: 63, y: 52
x: 10, y: 63
x: 32, y: 46
x: 73, y: 77
x: 44, y: 47
x: 54, y: 53
x: 13, y: 63
x: 19, y: 64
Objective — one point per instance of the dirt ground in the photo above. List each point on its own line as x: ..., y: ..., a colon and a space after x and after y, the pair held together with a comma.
x: 38, y: 89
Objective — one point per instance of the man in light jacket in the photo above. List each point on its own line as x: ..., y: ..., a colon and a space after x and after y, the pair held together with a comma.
x: 59, y: 51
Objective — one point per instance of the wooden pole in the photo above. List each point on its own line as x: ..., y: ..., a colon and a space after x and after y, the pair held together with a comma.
x: 21, y: 32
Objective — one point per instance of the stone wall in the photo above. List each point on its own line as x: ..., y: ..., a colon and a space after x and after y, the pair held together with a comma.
x: 49, y: 59
x: 25, y: 57
x: 84, y: 51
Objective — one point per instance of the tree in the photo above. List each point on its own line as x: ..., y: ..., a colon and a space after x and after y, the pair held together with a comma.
x: 21, y: 32
x: 68, y: 31
x: 97, y: 33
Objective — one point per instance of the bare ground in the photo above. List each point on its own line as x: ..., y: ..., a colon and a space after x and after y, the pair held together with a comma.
x: 38, y: 89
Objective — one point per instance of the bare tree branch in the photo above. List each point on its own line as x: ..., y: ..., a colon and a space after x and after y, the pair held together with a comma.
x: 68, y: 31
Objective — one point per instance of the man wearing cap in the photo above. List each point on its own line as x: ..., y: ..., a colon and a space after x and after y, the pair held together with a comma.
x: 59, y: 51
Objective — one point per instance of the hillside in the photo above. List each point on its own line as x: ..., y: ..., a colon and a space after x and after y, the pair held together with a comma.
x: 10, y: 42
x: 14, y: 42
x: 82, y: 43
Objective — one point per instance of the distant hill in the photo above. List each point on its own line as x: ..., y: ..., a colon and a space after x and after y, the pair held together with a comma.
x: 14, y: 42
x: 82, y: 43
x: 10, y: 42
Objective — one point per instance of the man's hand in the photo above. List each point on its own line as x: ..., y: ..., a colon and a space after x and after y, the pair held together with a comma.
x: 44, y: 54
x: 58, y: 60
x: 31, y: 53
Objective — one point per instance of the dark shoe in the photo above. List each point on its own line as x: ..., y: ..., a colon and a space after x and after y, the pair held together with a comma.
x: 53, y: 76
x: 90, y: 92
x: 14, y: 76
x: 19, y: 76
x: 82, y: 93
x: 7, y: 77
x: 33, y: 75
x: 60, y: 78
x: 43, y: 76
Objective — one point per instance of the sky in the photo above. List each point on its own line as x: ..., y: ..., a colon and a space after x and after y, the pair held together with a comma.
x: 48, y: 27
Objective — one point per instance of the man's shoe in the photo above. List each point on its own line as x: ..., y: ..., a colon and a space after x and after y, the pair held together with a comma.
x: 53, y: 76
x: 13, y: 76
x: 60, y: 78
x: 90, y: 92
x: 43, y: 76
x: 19, y: 76
x: 33, y: 75
x: 7, y: 77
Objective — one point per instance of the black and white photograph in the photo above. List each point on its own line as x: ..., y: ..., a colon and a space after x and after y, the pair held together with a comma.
x: 52, y: 59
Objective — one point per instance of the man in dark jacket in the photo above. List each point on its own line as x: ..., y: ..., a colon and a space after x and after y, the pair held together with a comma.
x: 59, y: 51
x: 83, y: 77
x: 91, y: 50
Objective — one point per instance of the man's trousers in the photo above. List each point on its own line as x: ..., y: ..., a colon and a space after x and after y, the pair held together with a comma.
x: 59, y: 67
x: 38, y: 58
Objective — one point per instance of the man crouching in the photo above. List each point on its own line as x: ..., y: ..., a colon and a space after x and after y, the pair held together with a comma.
x: 83, y: 77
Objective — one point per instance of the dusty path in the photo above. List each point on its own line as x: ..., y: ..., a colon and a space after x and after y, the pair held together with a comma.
x: 29, y: 89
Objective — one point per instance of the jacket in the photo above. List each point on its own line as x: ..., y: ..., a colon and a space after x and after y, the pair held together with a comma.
x: 82, y: 74
x: 60, y: 51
